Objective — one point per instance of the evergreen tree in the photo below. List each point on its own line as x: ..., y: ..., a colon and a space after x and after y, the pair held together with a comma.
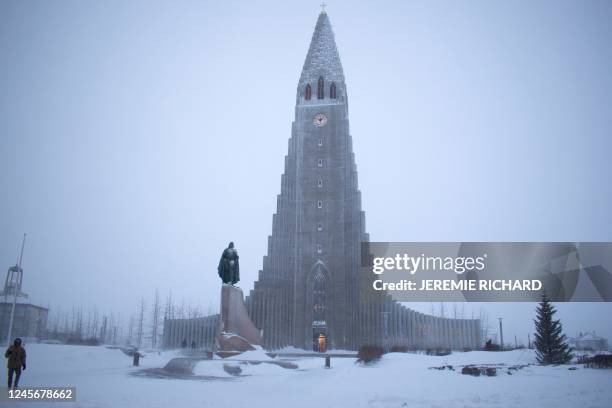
x: 550, y: 342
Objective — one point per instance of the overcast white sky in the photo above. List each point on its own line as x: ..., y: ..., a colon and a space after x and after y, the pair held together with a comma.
x: 139, y: 139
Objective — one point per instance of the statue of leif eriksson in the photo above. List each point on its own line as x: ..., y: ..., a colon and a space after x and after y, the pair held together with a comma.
x: 229, y: 270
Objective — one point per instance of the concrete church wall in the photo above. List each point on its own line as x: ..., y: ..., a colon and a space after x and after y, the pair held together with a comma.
x: 202, y: 331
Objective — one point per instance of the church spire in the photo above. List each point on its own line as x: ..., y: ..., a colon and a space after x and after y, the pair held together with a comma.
x: 322, y: 59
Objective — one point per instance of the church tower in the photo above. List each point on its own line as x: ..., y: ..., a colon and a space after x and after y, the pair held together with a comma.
x: 308, y: 284
x: 310, y: 287
x: 311, y: 292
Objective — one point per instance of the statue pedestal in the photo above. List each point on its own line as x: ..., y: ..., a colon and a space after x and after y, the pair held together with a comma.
x: 238, y: 333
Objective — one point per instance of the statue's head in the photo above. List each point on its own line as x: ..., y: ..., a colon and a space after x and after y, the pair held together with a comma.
x: 17, y: 342
x: 231, y: 245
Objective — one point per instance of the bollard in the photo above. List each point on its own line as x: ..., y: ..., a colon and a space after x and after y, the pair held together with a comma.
x: 136, y: 359
x: 327, y: 361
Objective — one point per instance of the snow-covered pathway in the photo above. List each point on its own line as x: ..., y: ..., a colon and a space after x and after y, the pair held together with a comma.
x: 102, y: 378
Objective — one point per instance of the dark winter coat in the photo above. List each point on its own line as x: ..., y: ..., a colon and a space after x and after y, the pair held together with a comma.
x: 16, y: 357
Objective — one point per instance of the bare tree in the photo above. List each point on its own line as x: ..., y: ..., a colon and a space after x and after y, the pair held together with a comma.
x: 57, y: 319
x: 103, y: 329
x: 112, y: 328
x: 156, y: 311
x: 169, y: 308
x: 181, y: 310
x: 66, y: 328
x: 95, y: 323
x: 73, y: 322
x: 193, y: 312
x: 118, y: 328
x: 88, y: 326
x: 130, y: 330
x: 141, y: 312
x: 78, y: 327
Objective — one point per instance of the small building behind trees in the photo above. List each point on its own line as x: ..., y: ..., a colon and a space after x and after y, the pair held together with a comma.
x: 589, y: 341
x: 30, y: 320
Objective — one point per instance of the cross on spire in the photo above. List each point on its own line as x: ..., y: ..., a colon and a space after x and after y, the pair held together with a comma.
x: 323, y: 5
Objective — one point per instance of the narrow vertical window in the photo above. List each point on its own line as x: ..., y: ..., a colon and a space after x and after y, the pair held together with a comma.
x: 308, y: 92
x: 319, y: 227
x: 332, y: 91
x: 320, y: 183
x: 320, y: 163
x: 320, y: 89
x: 321, y: 142
x: 319, y: 204
x: 319, y: 249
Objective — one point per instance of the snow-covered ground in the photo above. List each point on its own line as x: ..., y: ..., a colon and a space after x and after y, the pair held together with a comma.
x: 102, y: 378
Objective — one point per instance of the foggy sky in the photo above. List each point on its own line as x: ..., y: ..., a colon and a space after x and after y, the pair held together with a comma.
x: 139, y: 139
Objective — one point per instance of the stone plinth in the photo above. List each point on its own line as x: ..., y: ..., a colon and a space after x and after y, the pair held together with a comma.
x: 238, y: 333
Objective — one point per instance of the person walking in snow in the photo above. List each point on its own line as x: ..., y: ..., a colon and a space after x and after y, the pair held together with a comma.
x: 16, y: 356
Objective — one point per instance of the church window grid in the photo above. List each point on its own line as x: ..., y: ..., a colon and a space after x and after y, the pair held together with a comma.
x: 319, y: 298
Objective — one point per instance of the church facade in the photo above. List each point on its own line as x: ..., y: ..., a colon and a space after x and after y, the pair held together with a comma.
x: 310, y: 288
x: 310, y: 284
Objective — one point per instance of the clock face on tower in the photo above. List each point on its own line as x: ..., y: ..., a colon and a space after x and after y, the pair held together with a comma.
x: 319, y: 120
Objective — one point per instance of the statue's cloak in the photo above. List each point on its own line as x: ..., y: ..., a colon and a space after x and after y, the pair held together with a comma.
x: 229, y: 269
